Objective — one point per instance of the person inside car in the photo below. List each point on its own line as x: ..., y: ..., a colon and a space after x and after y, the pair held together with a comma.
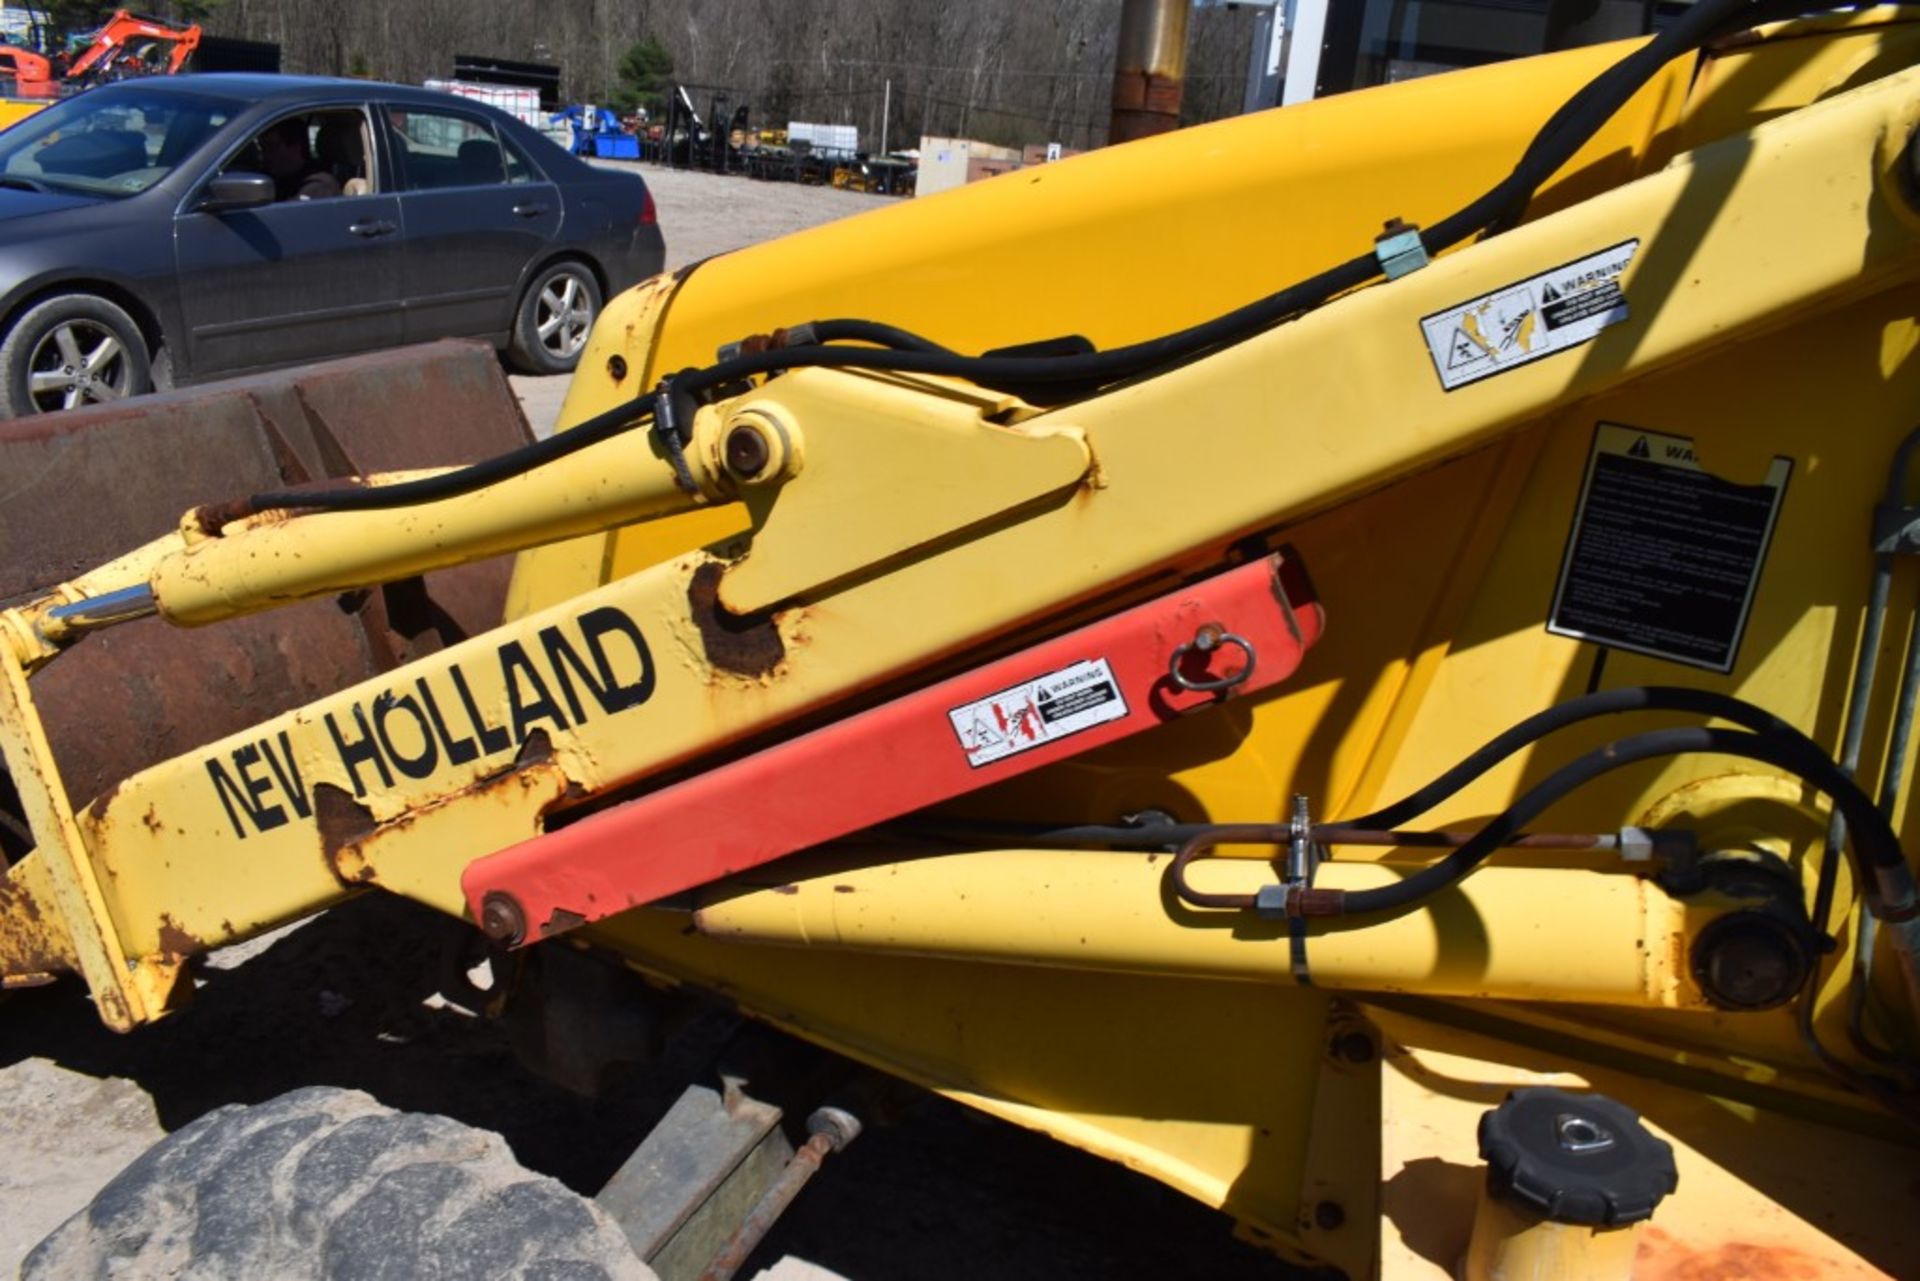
x: 341, y: 150
x: 288, y: 161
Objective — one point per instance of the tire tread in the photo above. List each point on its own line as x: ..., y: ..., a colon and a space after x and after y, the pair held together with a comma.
x: 327, y: 1183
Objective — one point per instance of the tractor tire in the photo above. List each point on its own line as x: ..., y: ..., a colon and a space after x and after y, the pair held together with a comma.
x: 554, y: 319
x: 68, y: 351
x: 327, y: 1183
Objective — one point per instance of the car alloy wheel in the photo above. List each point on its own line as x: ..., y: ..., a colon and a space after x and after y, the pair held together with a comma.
x: 564, y: 316
x: 78, y: 362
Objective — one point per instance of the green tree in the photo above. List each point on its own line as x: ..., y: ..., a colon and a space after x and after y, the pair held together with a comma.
x: 75, y: 15
x: 646, y: 74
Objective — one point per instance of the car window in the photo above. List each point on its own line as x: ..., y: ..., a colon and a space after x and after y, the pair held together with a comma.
x: 440, y: 149
x: 343, y: 142
x: 114, y: 144
x: 519, y: 168
x: 316, y: 154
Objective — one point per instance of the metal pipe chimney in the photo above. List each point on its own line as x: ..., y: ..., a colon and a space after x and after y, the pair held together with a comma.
x: 1149, y: 69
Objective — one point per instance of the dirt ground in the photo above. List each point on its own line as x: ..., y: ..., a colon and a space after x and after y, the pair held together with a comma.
x: 933, y: 1191
x: 701, y: 216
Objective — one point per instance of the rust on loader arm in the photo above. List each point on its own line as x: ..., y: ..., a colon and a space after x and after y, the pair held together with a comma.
x: 1585, y: 488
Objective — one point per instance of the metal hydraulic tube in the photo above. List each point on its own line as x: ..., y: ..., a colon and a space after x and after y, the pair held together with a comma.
x: 272, y: 560
x: 1513, y: 933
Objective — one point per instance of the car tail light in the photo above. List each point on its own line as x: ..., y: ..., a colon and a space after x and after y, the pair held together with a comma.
x: 648, y: 214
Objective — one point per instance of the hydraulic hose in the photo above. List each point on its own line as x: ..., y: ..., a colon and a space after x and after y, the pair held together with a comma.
x: 1765, y: 738
x: 900, y: 351
x: 1874, y: 841
x: 1631, y: 698
x: 465, y: 480
x: 869, y: 331
x: 1565, y: 133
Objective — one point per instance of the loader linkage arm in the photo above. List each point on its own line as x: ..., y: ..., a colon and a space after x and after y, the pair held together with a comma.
x: 859, y: 485
x: 1008, y: 683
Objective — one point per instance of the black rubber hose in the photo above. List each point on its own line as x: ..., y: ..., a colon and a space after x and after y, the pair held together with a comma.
x: 1611, y: 702
x: 452, y: 484
x: 1097, y: 368
x: 873, y: 331
x: 901, y: 351
x: 1582, y: 116
x: 1873, y: 837
x: 1568, y: 130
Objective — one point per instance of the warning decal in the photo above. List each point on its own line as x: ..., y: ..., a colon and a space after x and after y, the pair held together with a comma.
x: 1551, y: 312
x: 1038, y: 712
x: 1664, y: 557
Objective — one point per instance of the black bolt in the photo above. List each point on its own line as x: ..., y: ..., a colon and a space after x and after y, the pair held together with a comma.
x: 616, y: 367
x: 1750, y: 960
x: 502, y: 919
x: 1328, y: 1216
x: 747, y: 451
x: 1353, y: 1047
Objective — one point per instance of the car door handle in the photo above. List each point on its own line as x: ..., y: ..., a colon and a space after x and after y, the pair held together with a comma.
x: 377, y: 227
x: 529, y: 210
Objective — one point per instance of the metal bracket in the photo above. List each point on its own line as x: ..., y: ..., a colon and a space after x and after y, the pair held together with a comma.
x: 1303, y: 853
x: 1400, y: 250
x: 684, y: 1191
x: 1207, y: 638
x: 673, y: 438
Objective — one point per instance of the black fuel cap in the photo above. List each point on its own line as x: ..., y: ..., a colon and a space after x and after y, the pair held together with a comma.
x: 1575, y: 1158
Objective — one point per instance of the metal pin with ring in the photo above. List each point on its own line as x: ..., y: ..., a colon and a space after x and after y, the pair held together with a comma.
x: 1206, y: 639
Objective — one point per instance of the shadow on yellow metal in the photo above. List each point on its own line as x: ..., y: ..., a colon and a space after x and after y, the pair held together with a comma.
x: 1438, y: 585
x: 1769, y: 284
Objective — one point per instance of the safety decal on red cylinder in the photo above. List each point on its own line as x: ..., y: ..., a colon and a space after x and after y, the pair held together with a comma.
x: 1042, y: 710
x: 1113, y: 677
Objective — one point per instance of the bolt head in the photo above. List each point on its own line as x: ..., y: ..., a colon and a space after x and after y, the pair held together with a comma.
x: 747, y: 451
x: 502, y: 920
x: 1750, y: 960
x: 840, y: 1126
x: 1353, y: 1047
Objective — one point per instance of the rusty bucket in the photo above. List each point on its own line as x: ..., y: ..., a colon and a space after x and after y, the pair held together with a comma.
x: 85, y: 486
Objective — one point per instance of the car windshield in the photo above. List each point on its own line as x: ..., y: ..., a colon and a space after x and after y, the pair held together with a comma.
x: 109, y: 144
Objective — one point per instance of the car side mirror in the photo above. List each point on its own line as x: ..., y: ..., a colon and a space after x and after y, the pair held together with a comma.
x: 237, y: 190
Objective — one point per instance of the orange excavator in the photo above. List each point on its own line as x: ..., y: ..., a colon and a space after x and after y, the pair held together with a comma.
x: 128, y: 44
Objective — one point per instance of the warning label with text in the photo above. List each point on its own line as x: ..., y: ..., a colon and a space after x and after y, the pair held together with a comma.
x: 1039, y: 711
x: 1529, y: 319
x: 1664, y: 557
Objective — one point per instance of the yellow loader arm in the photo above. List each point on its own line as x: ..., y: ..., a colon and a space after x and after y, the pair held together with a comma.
x: 1145, y: 737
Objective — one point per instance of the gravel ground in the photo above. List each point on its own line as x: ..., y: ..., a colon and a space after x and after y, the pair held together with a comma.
x: 702, y: 216
x: 347, y: 999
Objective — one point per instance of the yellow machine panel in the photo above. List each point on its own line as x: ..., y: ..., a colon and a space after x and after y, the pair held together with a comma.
x: 1614, y: 483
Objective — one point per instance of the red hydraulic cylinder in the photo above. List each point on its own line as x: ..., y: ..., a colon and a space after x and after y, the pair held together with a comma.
x: 1223, y: 637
